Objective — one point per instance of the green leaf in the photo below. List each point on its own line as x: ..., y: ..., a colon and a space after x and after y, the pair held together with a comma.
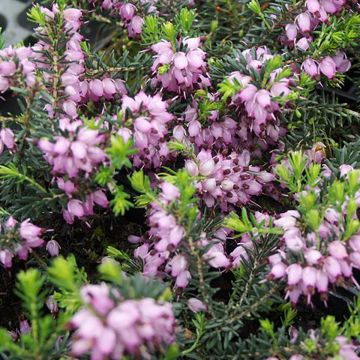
x: 120, y: 204
x: 119, y: 152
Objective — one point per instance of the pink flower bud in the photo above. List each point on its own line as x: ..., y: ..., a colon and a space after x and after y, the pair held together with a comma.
x: 322, y: 281
x: 127, y: 11
x: 135, y: 26
x: 191, y: 168
x: 310, y: 67
x: 7, y: 68
x: 180, y: 60
x: 169, y: 191
x: 6, y: 258
x: 75, y: 208
x: 312, y: 256
x: 29, y: 231
x: 195, y: 305
x: 53, y: 247
x: 142, y: 125
x: 96, y: 87
x: 332, y: 268
x: 109, y: 86
x: 294, y: 243
x: 178, y: 265
x: 303, y: 44
x: 100, y: 198
x: 183, y: 279
x: 210, y: 185
x: 7, y: 137
x: 294, y: 273
x: 337, y: 250
x: 303, y: 20
x: 207, y: 168
x: 62, y: 145
x: 278, y: 270
x: 72, y: 15
x: 10, y: 223
x: 217, y: 259
x: 313, y: 6
x: 52, y: 305
x: 328, y: 67
x: 248, y: 93
x: 309, y: 277
x: 263, y: 98
x: 194, y: 128
x: 24, y: 327
x: 142, y: 251
x: 291, y: 31
x: 69, y: 107
x: 342, y: 63
x: 78, y: 149
x: 4, y: 84
x: 345, y: 169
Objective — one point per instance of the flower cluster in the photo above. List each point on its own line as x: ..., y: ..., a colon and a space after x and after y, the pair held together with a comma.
x: 16, y: 66
x: 207, y: 130
x: 164, y: 249
x: 298, y: 33
x: 327, y: 251
x: 179, y: 67
x: 227, y: 180
x: 158, y: 251
x: 261, y: 103
x: 328, y: 66
x: 18, y: 240
x: 73, y: 158
x: 111, y: 327
x: 146, y: 120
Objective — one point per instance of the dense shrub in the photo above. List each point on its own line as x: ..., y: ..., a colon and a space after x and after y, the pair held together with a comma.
x: 180, y: 179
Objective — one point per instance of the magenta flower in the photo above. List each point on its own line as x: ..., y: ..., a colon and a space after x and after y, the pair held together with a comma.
x: 110, y: 328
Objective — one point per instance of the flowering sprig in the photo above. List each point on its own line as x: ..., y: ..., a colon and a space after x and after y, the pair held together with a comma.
x: 103, y: 325
x: 18, y: 240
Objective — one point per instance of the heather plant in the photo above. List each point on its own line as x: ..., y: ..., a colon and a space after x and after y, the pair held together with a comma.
x: 180, y: 180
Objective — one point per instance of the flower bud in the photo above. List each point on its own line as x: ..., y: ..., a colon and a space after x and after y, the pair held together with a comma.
x: 195, y: 305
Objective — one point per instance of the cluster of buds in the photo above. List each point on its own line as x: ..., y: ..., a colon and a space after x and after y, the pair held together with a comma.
x: 180, y: 67
x: 227, y: 179
x: 74, y: 157
x: 17, y: 67
x: 128, y: 12
x: 312, y: 262
x: 159, y: 249
x: 146, y: 121
x: 206, y: 130
x: 164, y: 248
x: 329, y: 66
x: 346, y: 349
x: 18, y: 239
x: 261, y: 102
x: 75, y: 86
x: 298, y: 33
x: 109, y: 327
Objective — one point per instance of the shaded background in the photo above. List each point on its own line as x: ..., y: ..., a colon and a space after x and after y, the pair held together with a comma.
x: 13, y: 22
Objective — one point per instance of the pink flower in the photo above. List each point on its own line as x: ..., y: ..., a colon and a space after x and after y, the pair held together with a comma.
x: 304, y: 22
x: 29, y: 231
x: 53, y: 247
x: 294, y: 273
x: 75, y: 207
x: 7, y: 137
x: 310, y: 67
x: 327, y: 67
x: 196, y: 305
